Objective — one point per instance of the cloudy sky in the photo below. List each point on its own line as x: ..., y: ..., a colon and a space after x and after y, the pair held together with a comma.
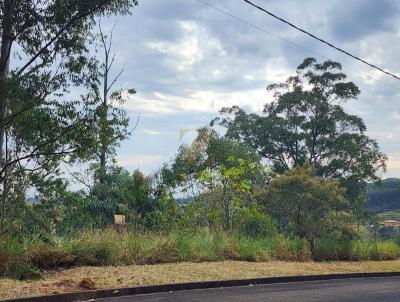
x: 187, y: 60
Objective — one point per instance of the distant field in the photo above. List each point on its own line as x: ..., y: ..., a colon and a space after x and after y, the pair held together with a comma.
x: 134, y: 275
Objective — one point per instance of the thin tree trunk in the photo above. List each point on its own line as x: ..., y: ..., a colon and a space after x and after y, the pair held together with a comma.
x: 103, y: 121
x: 6, y: 41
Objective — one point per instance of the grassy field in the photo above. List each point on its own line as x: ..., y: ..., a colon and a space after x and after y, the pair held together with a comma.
x: 123, y: 276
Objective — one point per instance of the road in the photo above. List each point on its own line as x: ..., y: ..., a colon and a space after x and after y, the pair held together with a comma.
x: 360, y: 290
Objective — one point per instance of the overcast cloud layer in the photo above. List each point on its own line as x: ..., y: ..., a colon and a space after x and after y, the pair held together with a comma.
x: 187, y: 61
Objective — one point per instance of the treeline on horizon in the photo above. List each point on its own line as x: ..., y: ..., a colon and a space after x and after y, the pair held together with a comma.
x: 384, y: 195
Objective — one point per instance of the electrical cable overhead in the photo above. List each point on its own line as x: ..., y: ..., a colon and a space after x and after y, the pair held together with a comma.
x: 322, y: 40
x: 290, y: 42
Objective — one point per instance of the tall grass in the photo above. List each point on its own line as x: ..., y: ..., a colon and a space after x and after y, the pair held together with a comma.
x: 356, y: 250
x: 114, y: 248
x: 24, y: 260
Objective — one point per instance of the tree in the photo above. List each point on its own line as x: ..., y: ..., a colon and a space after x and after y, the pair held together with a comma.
x: 112, y: 121
x: 139, y: 197
x: 306, y: 206
x: 222, y: 176
x: 40, y: 125
x: 206, y: 153
x: 307, y: 124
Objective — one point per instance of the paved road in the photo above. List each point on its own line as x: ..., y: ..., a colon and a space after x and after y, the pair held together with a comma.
x: 360, y: 290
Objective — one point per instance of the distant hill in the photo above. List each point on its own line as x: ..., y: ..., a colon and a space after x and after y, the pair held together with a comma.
x: 384, y: 195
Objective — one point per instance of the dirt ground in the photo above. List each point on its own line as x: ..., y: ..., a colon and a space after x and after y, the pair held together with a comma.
x: 124, y: 276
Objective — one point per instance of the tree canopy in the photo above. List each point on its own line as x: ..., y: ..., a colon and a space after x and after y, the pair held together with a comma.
x: 306, y: 123
x: 45, y: 50
x: 307, y: 206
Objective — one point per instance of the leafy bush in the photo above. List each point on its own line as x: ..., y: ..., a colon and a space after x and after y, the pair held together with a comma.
x: 254, y: 223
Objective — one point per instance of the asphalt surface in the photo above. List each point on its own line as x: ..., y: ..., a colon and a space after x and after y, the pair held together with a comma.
x: 360, y: 290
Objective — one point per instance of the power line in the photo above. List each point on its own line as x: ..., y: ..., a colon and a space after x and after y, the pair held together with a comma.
x: 290, y: 42
x: 322, y: 40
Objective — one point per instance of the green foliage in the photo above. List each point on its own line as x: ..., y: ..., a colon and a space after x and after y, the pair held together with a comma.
x: 307, y: 206
x: 45, y: 52
x: 56, y: 211
x: 22, y: 270
x: 116, y: 194
x: 110, y: 247
x: 254, y: 223
x: 328, y: 249
x: 89, y: 249
x: 27, y: 259
x: 306, y: 123
x: 163, y: 215
x: 225, y: 174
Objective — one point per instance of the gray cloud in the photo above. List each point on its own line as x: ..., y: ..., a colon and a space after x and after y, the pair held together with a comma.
x: 357, y: 19
x: 185, y: 60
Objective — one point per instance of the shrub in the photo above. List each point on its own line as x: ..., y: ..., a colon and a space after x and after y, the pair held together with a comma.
x: 294, y: 249
x: 387, y: 250
x: 362, y: 250
x: 254, y: 223
x: 165, y: 252
x: 199, y: 246
x: 329, y: 249
x: 22, y: 270
x: 93, y: 248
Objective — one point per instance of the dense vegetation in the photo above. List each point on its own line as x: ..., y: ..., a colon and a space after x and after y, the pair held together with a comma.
x: 287, y: 184
x: 26, y: 259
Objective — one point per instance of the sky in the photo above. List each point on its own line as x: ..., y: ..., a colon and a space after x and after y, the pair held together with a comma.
x: 187, y: 61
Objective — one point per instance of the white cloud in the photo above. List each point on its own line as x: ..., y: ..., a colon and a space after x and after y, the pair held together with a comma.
x: 139, y: 161
x: 151, y: 132
x: 192, y: 47
x: 198, y: 101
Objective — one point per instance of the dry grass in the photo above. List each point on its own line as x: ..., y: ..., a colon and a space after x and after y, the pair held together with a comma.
x: 124, y: 276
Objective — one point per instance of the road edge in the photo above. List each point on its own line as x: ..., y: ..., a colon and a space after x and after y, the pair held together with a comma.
x: 150, y: 289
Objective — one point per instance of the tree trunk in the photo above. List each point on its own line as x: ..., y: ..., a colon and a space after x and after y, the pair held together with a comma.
x: 104, y: 122
x: 6, y: 41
